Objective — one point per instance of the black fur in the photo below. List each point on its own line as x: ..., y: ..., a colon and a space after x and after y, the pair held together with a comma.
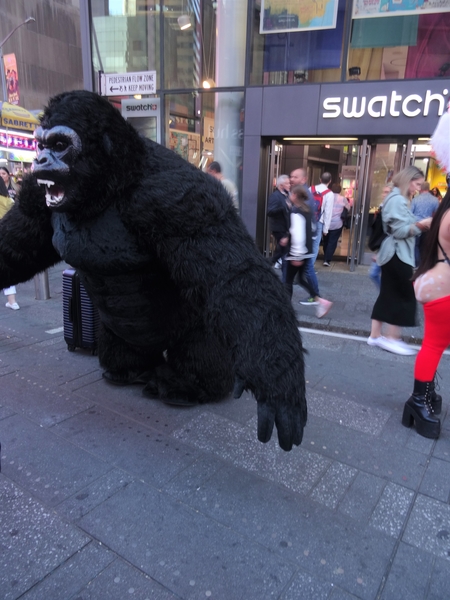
x: 182, y: 291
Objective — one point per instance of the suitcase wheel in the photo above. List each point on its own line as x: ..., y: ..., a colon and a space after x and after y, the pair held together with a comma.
x: 71, y: 347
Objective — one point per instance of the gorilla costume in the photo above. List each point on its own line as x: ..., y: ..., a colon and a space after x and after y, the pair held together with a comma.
x: 187, y: 304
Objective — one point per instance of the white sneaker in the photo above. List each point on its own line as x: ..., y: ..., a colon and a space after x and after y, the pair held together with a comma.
x: 13, y: 306
x: 374, y: 341
x: 396, y: 346
x: 323, y: 307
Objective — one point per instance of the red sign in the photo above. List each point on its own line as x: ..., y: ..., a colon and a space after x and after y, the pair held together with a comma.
x: 12, y: 78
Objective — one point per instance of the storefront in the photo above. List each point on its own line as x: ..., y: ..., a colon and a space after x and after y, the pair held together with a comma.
x: 356, y: 83
x: 362, y: 133
x: 17, y: 144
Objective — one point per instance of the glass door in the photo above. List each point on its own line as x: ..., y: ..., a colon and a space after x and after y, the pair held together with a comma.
x: 274, y: 161
x: 361, y: 197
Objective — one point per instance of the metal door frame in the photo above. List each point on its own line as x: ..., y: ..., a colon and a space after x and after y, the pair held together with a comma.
x: 356, y: 242
x: 274, y: 160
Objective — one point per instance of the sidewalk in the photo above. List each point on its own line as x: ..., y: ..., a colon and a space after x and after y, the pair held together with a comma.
x: 106, y: 495
x: 353, y: 295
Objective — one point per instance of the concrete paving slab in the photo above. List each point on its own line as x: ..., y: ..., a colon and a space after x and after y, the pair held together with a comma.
x: 128, y: 444
x: 43, y: 463
x: 440, y: 580
x: 436, y: 481
x: 297, y: 528
x: 183, y: 550
x: 120, y: 580
x: 362, y: 496
x: 410, y: 574
x: 383, y: 458
x: 392, y: 509
x: 306, y: 586
x: 342, y: 410
x: 70, y: 578
x: 428, y: 527
x: 298, y: 470
x: 87, y: 498
x: 331, y: 488
x: 34, y: 541
x: 39, y: 400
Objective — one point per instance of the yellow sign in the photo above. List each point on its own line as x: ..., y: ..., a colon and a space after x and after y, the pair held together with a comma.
x: 16, y: 117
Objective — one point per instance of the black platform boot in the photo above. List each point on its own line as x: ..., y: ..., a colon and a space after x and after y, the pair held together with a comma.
x: 435, y: 399
x: 418, y: 409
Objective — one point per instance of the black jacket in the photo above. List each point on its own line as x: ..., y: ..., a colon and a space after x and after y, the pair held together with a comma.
x: 278, y: 212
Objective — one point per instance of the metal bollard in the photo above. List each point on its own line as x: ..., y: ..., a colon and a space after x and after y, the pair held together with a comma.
x: 41, y: 286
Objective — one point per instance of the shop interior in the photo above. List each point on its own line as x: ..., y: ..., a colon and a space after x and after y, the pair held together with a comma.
x: 362, y: 168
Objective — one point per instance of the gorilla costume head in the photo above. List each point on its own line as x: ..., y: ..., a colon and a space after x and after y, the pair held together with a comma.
x: 187, y: 304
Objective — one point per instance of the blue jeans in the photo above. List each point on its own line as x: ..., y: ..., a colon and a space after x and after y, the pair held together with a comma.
x: 311, y: 276
x: 316, y: 241
x: 375, y: 274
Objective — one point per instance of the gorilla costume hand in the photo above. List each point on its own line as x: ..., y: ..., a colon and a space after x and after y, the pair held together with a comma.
x: 185, y: 299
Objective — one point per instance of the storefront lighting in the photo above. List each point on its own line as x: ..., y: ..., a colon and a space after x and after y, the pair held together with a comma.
x: 320, y: 139
x: 184, y: 22
x: 137, y: 97
x: 209, y: 83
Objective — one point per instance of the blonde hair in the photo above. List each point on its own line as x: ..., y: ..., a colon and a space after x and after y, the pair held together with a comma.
x: 403, y: 179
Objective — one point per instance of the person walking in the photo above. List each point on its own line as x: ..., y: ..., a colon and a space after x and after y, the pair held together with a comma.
x: 215, y: 170
x: 300, y: 177
x: 330, y: 241
x: 396, y: 303
x: 11, y: 186
x: 300, y: 247
x: 432, y: 289
x: 278, y: 209
x: 5, y: 204
x: 323, y: 211
x: 423, y: 206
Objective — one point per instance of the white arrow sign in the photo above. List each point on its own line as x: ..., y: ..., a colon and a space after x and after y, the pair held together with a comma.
x: 128, y: 84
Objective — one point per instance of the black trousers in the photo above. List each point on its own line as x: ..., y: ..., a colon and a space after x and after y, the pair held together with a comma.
x: 330, y: 242
x: 291, y: 272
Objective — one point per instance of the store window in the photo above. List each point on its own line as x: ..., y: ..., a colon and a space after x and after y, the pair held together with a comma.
x: 406, y: 43
x: 296, y: 43
x: 204, y: 43
x: 206, y: 127
x: 125, y: 36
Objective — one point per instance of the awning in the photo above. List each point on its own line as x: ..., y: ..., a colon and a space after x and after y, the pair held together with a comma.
x: 16, y: 117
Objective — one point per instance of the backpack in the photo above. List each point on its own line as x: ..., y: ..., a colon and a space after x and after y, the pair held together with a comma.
x: 377, y: 234
x: 318, y: 198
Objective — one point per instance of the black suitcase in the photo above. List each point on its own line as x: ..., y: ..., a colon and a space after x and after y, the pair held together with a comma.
x: 80, y: 316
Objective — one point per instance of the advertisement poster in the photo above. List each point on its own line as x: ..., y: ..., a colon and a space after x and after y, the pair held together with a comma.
x: 297, y: 15
x: 12, y: 78
x: 362, y: 9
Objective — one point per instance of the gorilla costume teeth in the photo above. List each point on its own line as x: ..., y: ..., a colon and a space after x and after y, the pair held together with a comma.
x: 188, y: 306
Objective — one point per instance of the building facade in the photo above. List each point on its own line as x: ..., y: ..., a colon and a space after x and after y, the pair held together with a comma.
x: 42, y: 58
x: 265, y: 86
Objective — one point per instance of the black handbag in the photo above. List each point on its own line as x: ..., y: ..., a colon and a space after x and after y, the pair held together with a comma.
x: 377, y: 234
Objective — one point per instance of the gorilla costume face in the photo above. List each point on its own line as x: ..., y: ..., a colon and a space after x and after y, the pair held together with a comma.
x: 187, y: 304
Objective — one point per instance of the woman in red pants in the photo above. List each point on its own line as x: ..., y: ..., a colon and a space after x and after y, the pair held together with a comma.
x: 432, y: 289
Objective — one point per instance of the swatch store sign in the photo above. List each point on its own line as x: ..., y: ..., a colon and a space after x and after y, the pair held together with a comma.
x: 386, y: 108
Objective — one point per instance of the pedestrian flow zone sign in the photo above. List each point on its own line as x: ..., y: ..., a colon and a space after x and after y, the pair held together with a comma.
x: 128, y: 84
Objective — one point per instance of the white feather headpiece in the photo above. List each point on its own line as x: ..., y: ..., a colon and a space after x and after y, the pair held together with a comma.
x: 440, y: 140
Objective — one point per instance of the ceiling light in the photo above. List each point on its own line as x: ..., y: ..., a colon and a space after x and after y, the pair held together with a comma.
x: 318, y: 139
x: 184, y: 21
x: 209, y: 83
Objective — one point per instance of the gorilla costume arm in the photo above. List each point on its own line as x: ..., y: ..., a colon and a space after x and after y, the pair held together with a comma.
x: 167, y: 261
x: 26, y: 237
